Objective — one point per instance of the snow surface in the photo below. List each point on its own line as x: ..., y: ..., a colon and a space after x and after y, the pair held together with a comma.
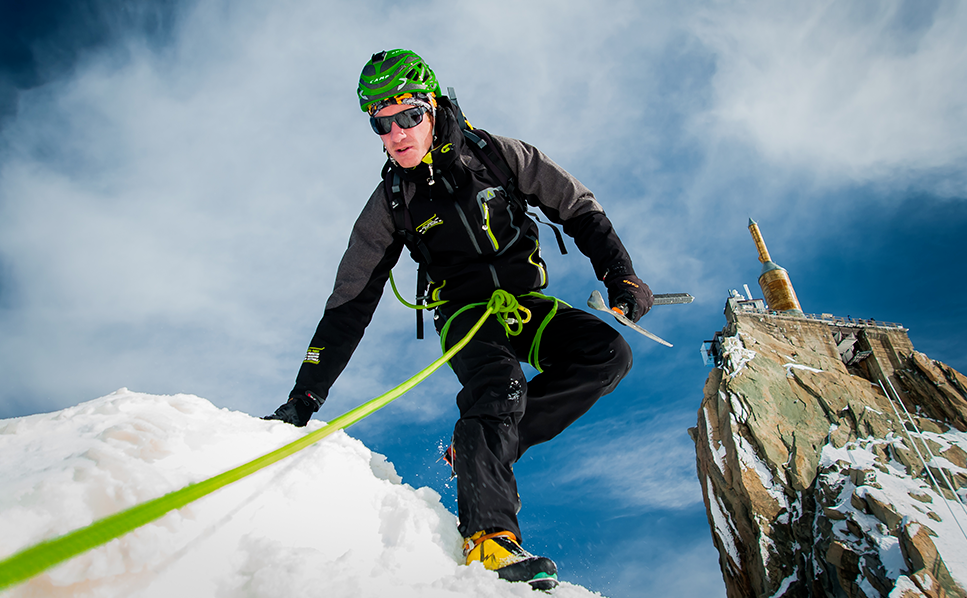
x: 786, y: 583
x: 723, y: 526
x: 750, y: 460
x: 332, y: 520
x: 790, y: 366
x: 719, y: 453
x: 895, y: 487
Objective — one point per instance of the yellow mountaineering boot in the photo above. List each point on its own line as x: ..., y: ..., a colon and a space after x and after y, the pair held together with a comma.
x: 502, y: 553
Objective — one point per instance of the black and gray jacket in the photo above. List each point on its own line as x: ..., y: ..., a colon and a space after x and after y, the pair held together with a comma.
x: 478, y: 239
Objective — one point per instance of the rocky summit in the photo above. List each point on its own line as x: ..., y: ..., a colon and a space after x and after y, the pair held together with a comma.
x: 832, y: 458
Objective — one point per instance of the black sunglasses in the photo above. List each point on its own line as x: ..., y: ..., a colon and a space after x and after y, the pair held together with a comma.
x: 406, y: 119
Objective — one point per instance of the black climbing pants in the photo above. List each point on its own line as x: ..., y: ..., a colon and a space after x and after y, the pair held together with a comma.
x: 502, y: 414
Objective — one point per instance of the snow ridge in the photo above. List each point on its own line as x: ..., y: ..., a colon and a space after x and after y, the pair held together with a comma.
x: 334, y: 519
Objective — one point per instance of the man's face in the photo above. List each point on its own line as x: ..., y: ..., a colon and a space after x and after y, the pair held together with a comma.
x: 407, y: 146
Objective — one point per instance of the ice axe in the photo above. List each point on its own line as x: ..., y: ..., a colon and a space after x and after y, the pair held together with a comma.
x: 596, y: 302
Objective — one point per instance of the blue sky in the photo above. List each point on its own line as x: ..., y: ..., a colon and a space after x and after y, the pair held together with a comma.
x: 178, y: 181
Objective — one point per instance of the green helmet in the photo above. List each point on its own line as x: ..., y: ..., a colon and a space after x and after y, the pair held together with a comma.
x: 394, y: 73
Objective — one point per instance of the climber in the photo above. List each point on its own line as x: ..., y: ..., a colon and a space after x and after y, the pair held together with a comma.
x: 472, y: 235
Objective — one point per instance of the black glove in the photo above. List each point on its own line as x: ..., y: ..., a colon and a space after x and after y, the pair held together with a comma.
x: 298, y: 409
x: 629, y: 294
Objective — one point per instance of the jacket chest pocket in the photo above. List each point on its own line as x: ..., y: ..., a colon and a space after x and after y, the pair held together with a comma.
x: 477, y: 221
x: 496, y: 220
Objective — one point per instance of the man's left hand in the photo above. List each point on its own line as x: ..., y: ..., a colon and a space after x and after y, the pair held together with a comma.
x: 298, y: 409
x: 629, y: 294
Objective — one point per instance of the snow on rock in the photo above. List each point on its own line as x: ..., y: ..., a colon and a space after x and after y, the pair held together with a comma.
x: 813, y: 484
x: 736, y: 355
x: 724, y: 530
x: 332, y: 520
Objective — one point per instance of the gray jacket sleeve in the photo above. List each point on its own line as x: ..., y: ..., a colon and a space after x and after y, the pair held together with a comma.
x: 566, y: 201
x: 372, y: 234
x: 362, y: 274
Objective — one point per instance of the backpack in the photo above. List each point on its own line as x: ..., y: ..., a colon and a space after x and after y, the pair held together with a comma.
x: 481, y: 143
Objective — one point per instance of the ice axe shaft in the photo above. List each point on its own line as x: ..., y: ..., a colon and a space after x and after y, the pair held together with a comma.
x: 596, y: 301
x: 673, y: 298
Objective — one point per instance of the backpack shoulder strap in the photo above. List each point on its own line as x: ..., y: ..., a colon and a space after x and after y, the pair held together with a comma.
x: 418, y: 251
x: 394, y: 198
x: 482, y: 145
x: 393, y: 185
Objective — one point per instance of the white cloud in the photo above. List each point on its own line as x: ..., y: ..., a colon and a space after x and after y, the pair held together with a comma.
x: 848, y: 91
x: 648, y: 464
x: 182, y: 212
x: 690, y: 571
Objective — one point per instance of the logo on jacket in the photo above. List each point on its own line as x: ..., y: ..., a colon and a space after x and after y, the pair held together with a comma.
x: 433, y: 221
x: 312, y: 355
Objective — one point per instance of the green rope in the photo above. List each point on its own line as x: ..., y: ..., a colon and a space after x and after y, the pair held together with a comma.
x: 513, y: 305
x: 532, y: 357
x: 501, y: 303
x: 509, y: 312
x: 40, y: 557
x: 407, y: 303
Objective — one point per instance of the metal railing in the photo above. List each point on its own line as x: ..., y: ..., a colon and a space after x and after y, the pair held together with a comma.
x: 826, y: 318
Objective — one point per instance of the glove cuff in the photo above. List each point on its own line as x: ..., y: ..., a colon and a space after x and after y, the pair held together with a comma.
x: 617, y: 270
x: 309, y: 398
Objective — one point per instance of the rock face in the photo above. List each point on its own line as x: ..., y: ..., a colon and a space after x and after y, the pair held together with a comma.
x: 827, y: 479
